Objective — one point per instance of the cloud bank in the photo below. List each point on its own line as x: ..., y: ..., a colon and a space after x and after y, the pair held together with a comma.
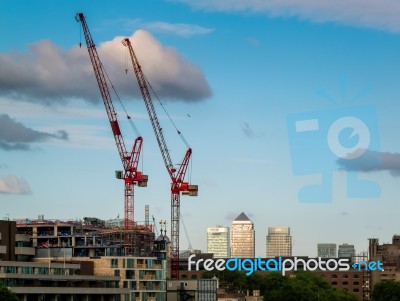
x: 373, y: 161
x: 16, y: 136
x: 381, y: 14
x: 47, y: 74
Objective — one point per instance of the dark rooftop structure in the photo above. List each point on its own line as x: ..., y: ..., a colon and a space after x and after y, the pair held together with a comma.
x: 242, y: 217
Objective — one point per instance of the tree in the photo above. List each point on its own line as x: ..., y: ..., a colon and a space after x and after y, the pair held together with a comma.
x: 302, y: 286
x: 232, y: 281
x: 6, y: 294
x: 387, y: 290
x: 299, y: 286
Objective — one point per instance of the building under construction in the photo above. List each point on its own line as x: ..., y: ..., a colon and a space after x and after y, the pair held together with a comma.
x: 136, y: 242
x: 89, y: 237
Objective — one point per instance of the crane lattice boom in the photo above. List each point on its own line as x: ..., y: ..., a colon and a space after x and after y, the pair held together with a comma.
x: 130, y: 160
x: 177, y: 176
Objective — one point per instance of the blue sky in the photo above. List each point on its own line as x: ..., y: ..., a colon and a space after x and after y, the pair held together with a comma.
x: 232, y: 75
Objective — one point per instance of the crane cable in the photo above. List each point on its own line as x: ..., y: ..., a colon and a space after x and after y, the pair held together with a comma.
x: 178, y: 131
x: 120, y: 101
x: 169, y: 117
x: 115, y: 91
x: 159, y: 101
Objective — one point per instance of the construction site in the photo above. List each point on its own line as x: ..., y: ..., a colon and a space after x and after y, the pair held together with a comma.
x: 94, y: 259
x: 136, y: 239
x: 89, y: 237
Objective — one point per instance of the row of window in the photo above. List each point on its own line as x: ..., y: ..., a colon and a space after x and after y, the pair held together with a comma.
x: 37, y: 270
x: 345, y: 276
x: 143, y: 275
x: 140, y: 263
x: 345, y: 283
x: 151, y: 296
x: 55, y: 283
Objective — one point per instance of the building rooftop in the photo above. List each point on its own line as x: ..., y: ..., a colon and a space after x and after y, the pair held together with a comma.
x: 242, y: 217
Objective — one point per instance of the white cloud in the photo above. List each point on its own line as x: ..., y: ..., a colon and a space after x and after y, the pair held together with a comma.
x: 47, y: 74
x: 180, y: 29
x: 381, y: 14
x: 10, y: 184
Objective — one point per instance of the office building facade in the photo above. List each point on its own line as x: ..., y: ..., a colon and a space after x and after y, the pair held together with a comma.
x: 279, y: 242
x: 218, y: 242
x: 326, y: 250
x: 346, y: 251
x: 242, y: 237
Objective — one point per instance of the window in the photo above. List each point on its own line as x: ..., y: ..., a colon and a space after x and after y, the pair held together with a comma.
x: 114, y: 263
x: 116, y: 272
x: 10, y: 269
x: 129, y: 274
x: 129, y: 263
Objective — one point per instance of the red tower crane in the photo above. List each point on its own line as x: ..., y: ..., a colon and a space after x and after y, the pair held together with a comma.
x: 178, y: 184
x: 130, y: 160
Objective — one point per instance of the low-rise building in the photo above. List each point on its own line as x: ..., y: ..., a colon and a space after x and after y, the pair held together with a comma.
x: 389, y: 255
x: 85, y: 255
x: 59, y: 281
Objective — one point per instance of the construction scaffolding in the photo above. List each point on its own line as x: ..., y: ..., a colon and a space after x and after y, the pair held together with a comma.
x: 136, y: 242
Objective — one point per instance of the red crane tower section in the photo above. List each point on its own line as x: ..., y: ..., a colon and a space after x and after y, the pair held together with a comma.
x: 178, y: 184
x: 129, y: 160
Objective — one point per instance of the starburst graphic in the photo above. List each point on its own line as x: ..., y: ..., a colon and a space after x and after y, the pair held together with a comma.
x: 318, y: 139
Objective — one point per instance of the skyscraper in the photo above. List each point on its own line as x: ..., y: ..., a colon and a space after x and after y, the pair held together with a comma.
x: 242, y: 237
x: 326, y: 250
x: 279, y: 242
x: 218, y: 241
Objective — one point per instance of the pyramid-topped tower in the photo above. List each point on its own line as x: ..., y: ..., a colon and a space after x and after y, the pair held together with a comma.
x: 242, y: 237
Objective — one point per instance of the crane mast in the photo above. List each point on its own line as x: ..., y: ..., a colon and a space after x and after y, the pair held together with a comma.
x: 178, y: 184
x: 130, y: 160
